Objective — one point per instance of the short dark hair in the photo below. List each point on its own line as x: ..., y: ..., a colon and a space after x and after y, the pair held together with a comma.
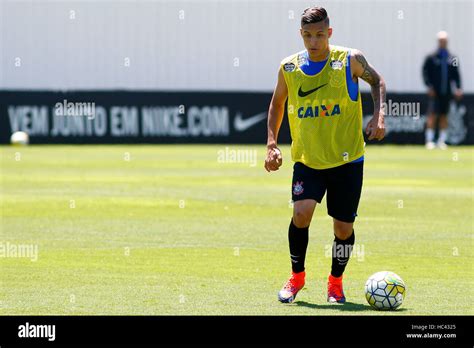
x: 314, y: 15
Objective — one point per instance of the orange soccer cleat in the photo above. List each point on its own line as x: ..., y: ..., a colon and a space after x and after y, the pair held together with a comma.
x: 335, y: 292
x: 288, y: 293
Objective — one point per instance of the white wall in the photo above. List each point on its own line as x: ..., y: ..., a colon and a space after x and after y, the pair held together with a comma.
x: 199, y: 52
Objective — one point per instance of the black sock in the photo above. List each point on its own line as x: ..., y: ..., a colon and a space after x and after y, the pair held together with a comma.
x: 341, y: 251
x: 298, y: 238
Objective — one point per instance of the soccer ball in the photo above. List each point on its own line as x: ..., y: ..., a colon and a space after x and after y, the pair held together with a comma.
x: 385, y: 290
x: 20, y: 138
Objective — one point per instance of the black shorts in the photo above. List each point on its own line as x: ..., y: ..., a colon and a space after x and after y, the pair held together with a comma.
x: 343, y: 184
x: 439, y: 104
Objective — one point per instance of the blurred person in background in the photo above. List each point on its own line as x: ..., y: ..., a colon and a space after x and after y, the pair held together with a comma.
x: 440, y: 70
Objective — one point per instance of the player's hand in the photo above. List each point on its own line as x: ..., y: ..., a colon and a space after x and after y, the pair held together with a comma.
x: 431, y: 92
x: 458, y: 94
x: 376, y: 127
x: 274, y: 159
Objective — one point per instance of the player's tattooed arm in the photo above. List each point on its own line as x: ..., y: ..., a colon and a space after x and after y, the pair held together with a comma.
x: 362, y: 68
x: 367, y: 73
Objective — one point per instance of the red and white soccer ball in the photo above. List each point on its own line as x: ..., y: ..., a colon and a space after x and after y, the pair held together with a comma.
x: 385, y: 290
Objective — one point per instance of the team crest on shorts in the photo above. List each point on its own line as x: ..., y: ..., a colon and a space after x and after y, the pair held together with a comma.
x: 289, y: 67
x: 298, y: 188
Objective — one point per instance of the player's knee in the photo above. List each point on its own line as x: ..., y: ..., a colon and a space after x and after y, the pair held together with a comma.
x: 302, y: 217
x: 443, y: 121
x: 430, y: 121
x: 343, y: 230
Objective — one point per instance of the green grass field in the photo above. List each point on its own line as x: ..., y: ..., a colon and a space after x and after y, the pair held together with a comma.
x: 174, y: 231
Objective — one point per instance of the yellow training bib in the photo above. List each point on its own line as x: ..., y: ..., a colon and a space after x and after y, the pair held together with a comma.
x: 325, y: 123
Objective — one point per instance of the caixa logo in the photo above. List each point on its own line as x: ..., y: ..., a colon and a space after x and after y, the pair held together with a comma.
x: 319, y: 110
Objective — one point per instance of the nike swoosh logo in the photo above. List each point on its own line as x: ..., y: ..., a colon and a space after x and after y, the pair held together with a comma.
x: 304, y: 94
x: 240, y: 124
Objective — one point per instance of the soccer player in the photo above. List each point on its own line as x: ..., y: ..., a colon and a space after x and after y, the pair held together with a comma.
x: 325, y: 117
x: 440, y: 70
